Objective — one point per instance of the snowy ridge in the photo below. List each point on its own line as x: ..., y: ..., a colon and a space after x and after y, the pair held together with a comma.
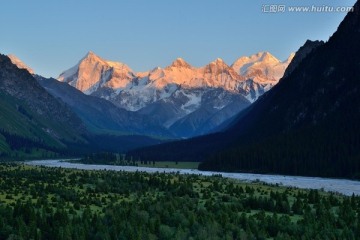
x: 132, y: 91
x: 180, y: 97
x: 261, y: 67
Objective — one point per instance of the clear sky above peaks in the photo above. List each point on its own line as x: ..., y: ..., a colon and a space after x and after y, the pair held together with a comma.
x: 52, y: 36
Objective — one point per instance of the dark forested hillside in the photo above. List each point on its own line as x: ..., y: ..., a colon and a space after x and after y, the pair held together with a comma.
x: 309, y: 123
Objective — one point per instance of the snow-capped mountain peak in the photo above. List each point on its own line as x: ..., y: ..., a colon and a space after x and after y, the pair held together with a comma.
x: 269, y: 58
x: 91, y: 55
x: 15, y: 60
x: 94, y: 72
x: 216, y: 67
x: 219, y: 61
x: 180, y: 63
x: 261, y: 67
x: 218, y: 70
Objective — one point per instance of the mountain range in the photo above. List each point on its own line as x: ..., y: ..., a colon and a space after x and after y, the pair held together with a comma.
x: 200, y: 100
x: 183, y: 100
x: 308, y: 124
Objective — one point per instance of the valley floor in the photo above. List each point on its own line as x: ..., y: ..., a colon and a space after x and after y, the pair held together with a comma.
x: 166, y: 164
x: 38, y: 202
x: 343, y: 186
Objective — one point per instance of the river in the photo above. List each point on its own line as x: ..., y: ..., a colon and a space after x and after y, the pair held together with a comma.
x: 344, y: 186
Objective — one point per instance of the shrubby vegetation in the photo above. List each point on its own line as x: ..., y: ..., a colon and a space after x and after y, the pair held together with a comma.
x: 109, y: 158
x: 55, y: 203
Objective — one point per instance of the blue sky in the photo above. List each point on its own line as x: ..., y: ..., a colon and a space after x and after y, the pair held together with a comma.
x: 52, y: 36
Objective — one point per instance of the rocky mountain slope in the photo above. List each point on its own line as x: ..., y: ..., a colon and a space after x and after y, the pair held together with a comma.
x: 30, y: 116
x: 15, y: 60
x: 99, y: 115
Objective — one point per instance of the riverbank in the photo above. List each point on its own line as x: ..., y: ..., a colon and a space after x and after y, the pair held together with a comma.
x: 343, y: 186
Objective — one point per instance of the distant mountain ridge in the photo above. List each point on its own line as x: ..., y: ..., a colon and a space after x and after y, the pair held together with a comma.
x: 186, y: 100
x: 178, y: 101
x: 95, y: 76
